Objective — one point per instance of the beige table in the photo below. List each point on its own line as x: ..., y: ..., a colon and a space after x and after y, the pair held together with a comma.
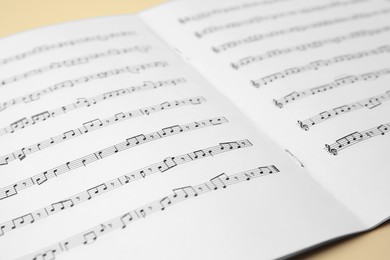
x: 21, y: 15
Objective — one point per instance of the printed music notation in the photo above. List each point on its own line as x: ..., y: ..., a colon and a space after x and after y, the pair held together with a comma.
x: 73, y: 62
x: 259, y: 19
x: 369, y: 103
x: 318, y: 64
x: 39, y: 179
x: 338, y: 82
x: 308, y: 46
x: 36, y: 95
x: 96, y: 124
x: 225, y: 10
x: 355, y: 138
x: 63, y: 44
x: 83, y: 102
x: 295, y: 29
x: 163, y: 166
x: 221, y: 181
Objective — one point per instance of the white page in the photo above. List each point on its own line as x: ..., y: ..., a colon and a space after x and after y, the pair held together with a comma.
x: 293, y: 46
x: 283, y: 212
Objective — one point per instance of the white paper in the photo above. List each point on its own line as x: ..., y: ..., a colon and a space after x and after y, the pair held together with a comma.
x: 283, y: 212
x: 294, y: 46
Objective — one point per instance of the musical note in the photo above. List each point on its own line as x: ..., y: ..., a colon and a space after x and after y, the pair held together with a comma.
x: 268, y: 79
x: 73, y: 62
x: 126, y: 219
x: 17, y: 125
x: 96, y: 124
x: 42, y: 178
x: 55, y: 207
x: 37, y: 95
x: 338, y: 82
x: 53, y: 46
x: 40, y: 117
x: 308, y: 46
x: 355, y: 138
x: 122, y: 221
x: 295, y: 29
x: 46, y: 255
x: 165, y: 202
x: 80, y: 103
x: 92, y: 192
x: 123, y: 180
x: 259, y: 19
x: 187, y: 191
x: 219, y: 181
x: 369, y: 103
x: 316, y: 65
x: 170, y: 130
x: 168, y: 164
x: 89, y: 237
x: 23, y: 220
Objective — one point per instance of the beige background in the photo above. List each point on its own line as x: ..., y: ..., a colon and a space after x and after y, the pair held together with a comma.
x: 21, y: 15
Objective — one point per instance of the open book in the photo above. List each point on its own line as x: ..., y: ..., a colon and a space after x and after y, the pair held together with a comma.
x: 196, y: 130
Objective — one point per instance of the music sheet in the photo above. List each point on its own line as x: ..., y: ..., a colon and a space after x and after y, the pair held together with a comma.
x: 313, y: 75
x: 103, y: 125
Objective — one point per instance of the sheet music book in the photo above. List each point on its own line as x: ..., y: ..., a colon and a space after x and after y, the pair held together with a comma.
x: 231, y: 129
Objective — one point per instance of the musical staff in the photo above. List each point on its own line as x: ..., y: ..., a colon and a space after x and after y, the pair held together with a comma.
x: 82, y: 103
x: 225, y: 10
x: 36, y: 95
x: 259, y: 19
x: 159, y: 167
x: 369, y: 103
x: 308, y: 46
x: 44, y: 177
x: 295, y: 29
x: 355, y: 138
x: 338, y: 82
x: 219, y: 182
x: 73, y: 62
x: 96, y: 124
x: 319, y: 64
x: 49, y: 47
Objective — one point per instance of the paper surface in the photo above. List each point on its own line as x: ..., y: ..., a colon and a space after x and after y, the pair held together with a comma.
x: 79, y: 119
x: 289, y: 64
